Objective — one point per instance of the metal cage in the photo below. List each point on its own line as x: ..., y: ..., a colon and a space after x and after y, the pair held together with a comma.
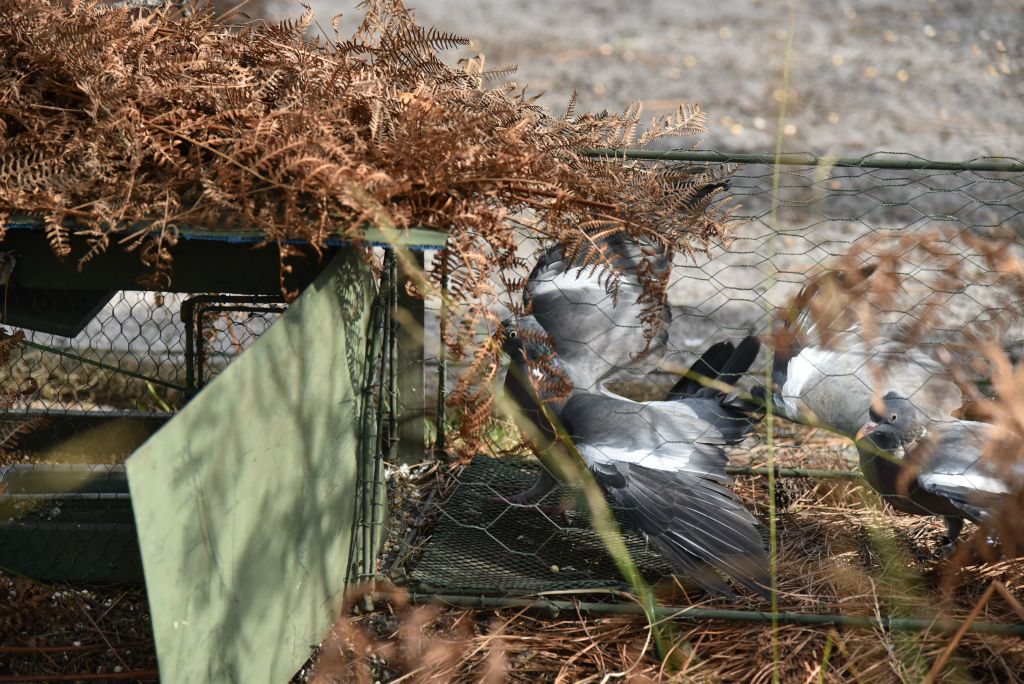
x: 795, y: 214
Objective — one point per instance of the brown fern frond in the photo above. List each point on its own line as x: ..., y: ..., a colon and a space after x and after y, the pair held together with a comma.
x: 12, y: 433
x: 8, y: 342
x: 687, y: 120
x: 57, y: 234
x: 500, y: 73
x: 570, y: 107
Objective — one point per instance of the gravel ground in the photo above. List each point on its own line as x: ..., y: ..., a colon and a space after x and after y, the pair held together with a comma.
x: 936, y: 79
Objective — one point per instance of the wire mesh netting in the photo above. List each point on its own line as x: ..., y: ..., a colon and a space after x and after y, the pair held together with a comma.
x: 69, y: 521
x: 483, y: 546
x: 79, y: 404
x: 818, y: 213
x: 134, y: 361
x: 796, y: 221
x: 103, y: 370
x: 219, y: 327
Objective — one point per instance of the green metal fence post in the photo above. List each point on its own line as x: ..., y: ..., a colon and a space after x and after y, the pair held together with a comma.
x: 411, y: 398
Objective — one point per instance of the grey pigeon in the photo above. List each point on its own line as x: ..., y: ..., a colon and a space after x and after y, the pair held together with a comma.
x: 598, y: 335
x: 838, y: 387
x: 832, y: 386
x: 662, y: 461
x: 928, y: 467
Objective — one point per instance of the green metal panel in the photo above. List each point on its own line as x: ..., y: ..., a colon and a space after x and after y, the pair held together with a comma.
x: 412, y: 401
x: 244, y: 501
x: 59, y: 312
x: 241, y: 265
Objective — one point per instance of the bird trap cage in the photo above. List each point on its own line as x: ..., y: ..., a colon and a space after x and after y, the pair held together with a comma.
x: 797, y: 215
x: 95, y: 368
x: 130, y: 412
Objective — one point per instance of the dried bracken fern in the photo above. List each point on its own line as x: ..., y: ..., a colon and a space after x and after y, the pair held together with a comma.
x: 127, y: 115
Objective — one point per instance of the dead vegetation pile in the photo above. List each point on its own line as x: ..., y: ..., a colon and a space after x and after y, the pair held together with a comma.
x: 54, y: 633
x: 156, y: 119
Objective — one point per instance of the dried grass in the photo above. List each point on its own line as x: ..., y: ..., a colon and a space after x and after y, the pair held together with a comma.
x: 51, y: 632
x: 840, y: 552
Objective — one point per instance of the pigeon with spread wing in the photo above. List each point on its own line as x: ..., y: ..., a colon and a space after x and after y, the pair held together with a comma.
x: 662, y: 461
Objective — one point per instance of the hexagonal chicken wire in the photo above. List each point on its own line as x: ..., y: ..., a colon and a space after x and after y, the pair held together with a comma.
x: 796, y: 213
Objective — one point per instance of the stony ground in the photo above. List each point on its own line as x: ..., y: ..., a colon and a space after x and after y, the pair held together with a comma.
x: 935, y: 78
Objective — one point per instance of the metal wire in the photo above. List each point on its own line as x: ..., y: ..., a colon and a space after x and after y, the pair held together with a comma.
x: 368, y: 436
x: 809, y: 473
x: 99, y: 364
x: 553, y: 608
x: 194, y: 314
x: 878, y: 160
x: 442, y: 364
x: 377, y: 418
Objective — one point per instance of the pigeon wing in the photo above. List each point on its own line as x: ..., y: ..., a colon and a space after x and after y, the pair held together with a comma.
x: 666, y: 467
x: 956, y: 469
x: 594, y: 332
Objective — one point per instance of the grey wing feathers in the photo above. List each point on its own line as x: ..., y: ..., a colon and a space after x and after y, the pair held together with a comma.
x: 594, y: 333
x: 801, y: 326
x: 625, y: 255
x: 957, y: 470
x: 695, y: 522
x: 666, y: 467
x: 731, y: 422
x: 739, y: 362
x: 729, y: 415
x: 829, y: 388
x: 708, y: 365
x: 657, y: 434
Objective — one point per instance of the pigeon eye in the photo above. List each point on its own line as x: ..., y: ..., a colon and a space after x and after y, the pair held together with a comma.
x: 512, y: 334
x: 894, y: 417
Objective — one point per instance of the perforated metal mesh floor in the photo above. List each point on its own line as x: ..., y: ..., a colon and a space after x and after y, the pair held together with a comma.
x: 482, y: 546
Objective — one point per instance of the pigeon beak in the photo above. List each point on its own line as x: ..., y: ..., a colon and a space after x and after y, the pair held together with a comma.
x: 868, y: 428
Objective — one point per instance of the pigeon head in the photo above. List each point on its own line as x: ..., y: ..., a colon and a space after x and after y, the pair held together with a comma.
x: 524, y: 339
x: 893, y: 424
x: 533, y: 356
